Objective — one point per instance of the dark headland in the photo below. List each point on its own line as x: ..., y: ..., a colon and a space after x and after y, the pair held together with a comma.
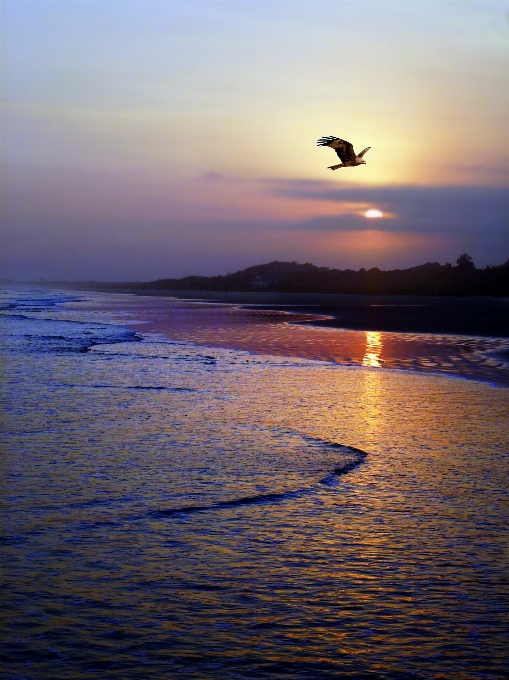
x: 429, y: 298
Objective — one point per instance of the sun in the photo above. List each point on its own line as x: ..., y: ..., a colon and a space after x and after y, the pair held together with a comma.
x: 373, y: 213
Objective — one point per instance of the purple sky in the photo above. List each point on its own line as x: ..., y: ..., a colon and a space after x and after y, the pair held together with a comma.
x: 145, y: 140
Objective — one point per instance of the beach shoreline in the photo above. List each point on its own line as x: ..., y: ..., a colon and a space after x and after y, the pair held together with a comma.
x: 306, y: 332
x: 475, y: 316
x: 176, y: 497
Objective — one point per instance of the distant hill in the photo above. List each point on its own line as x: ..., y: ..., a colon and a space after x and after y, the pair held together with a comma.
x: 431, y: 278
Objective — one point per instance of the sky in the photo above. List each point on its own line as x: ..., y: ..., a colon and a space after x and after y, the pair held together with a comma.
x: 153, y: 139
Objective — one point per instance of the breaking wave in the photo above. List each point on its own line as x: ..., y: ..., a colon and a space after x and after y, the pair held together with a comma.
x: 357, y: 457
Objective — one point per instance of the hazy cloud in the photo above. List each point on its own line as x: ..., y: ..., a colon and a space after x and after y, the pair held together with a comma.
x: 418, y: 209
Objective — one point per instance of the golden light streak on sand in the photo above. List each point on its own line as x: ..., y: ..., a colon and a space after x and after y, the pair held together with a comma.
x: 372, y: 356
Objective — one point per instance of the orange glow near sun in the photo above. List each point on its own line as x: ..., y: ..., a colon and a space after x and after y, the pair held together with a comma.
x: 379, y: 241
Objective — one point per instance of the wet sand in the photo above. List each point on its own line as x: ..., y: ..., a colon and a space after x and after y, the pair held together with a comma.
x: 284, y: 331
x: 480, y: 316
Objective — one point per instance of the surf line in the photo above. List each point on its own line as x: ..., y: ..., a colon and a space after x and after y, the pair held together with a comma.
x: 260, y: 499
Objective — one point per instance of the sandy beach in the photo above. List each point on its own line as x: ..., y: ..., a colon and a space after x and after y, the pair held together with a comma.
x: 482, y: 316
x: 305, y: 327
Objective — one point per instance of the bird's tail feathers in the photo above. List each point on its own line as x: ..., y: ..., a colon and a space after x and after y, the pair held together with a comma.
x: 335, y: 167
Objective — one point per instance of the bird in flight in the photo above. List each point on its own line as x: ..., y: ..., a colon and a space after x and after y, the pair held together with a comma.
x: 349, y: 158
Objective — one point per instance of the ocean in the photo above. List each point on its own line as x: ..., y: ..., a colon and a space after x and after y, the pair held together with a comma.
x: 201, y: 491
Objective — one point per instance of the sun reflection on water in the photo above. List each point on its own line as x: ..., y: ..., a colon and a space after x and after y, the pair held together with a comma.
x: 372, y: 356
x: 333, y: 581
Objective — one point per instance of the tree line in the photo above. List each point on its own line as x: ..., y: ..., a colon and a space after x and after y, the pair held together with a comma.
x: 432, y: 278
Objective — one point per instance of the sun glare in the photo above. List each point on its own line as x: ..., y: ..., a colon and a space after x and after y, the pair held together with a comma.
x: 373, y: 213
x: 373, y: 350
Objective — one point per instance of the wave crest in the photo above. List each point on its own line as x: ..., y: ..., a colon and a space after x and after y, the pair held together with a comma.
x: 358, y: 457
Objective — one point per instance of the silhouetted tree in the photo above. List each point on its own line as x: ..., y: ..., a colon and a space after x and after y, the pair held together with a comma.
x: 464, y: 261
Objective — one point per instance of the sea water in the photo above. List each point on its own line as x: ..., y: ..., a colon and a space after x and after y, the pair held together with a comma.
x: 171, y: 509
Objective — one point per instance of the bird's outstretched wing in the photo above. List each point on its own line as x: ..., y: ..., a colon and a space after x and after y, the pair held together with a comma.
x: 343, y: 149
x: 364, y: 151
